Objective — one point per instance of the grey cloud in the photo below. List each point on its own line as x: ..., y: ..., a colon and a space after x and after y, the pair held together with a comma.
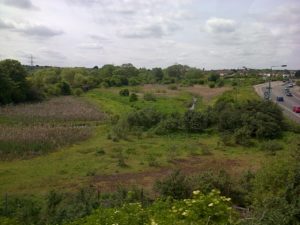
x: 157, y: 30
x: 91, y: 46
x: 99, y: 38
x: 22, y: 4
x: 39, y: 31
x: 5, y: 25
x: 220, y: 25
x: 52, y: 54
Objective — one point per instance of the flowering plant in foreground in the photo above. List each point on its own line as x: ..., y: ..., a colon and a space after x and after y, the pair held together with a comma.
x: 199, y: 210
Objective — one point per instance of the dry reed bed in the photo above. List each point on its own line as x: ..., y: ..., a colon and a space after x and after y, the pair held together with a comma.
x: 65, y: 108
x: 37, y: 140
x: 43, y: 133
x: 41, y: 127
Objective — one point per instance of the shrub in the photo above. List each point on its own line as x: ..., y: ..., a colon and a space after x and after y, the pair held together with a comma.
x: 194, y: 121
x: 149, y: 97
x: 124, y: 92
x: 242, y: 136
x: 133, y: 97
x: 170, y: 124
x: 65, y: 88
x: 173, y: 87
x: 78, y: 92
x: 176, y: 185
x: 200, y: 209
x: 220, y: 83
x: 211, y: 85
x: 120, y: 130
x: 146, y: 118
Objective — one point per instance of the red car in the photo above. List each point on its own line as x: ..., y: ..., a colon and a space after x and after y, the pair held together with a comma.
x: 296, y: 109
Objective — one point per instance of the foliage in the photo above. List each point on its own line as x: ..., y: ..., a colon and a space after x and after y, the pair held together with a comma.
x: 276, y: 192
x: 176, y: 185
x: 124, y: 92
x: 173, y: 87
x: 194, y: 121
x: 13, y: 85
x: 133, y: 97
x: 297, y: 74
x: 200, y: 209
x: 271, y: 146
x: 213, y: 77
x: 170, y: 124
x: 212, y: 85
x: 146, y: 118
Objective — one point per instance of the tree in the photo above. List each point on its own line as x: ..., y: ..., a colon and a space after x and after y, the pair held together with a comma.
x: 158, y: 74
x: 13, y: 83
x: 213, y: 77
x: 297, y: 74
x: 65, y: 88
x: 177, y: 71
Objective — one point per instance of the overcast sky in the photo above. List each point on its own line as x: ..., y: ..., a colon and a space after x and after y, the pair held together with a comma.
x: 213, y: 34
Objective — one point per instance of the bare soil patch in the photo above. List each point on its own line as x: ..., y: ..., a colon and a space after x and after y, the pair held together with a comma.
x: 200, y: 90
x: 206, y: 92
x: 191, y: 166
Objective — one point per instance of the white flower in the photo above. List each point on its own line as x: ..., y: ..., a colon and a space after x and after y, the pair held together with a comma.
x: 185, y: 213
x: 196, y: 192
x: 153, y: 222
x: 210, y: 204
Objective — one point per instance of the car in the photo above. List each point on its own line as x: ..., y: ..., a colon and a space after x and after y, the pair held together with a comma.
x: 279, y: 99
x: 291, y: 85
x: 288, y: 94
x: 296, y: 109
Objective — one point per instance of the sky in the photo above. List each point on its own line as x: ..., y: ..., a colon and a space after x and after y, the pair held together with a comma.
x: 210, y: 34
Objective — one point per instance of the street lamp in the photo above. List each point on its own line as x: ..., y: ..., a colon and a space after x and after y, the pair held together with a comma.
x: 269, y: 92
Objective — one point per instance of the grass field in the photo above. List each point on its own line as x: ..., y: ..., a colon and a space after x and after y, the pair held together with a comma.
x: 98, y: 161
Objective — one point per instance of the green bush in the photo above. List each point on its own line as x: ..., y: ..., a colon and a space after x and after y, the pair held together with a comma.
x: 133, y: 97
x: 194, y: 121
x: 173, y: 87
x: 200, y: 209
x: 176, y: 185
x: 212, y: 85
x: 65, y: 88
x: 170, y: 124
x: 78, y: 92
x: 124, y: 92
x: 145, y: 118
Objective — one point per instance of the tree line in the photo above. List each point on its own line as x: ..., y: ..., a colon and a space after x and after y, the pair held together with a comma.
x: 20, y: 83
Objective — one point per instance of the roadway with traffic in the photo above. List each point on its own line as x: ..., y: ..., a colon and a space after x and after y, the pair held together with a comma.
x: 289, y: 101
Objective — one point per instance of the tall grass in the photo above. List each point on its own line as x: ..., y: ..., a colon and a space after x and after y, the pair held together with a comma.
x: 27, y: 130
x: 65, y: 108
x: 23, y: 142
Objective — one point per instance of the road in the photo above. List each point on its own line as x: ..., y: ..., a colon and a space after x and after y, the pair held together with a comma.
x: 288, y: 103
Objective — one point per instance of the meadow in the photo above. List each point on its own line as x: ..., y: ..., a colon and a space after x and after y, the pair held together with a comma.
x: 68, y: 147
